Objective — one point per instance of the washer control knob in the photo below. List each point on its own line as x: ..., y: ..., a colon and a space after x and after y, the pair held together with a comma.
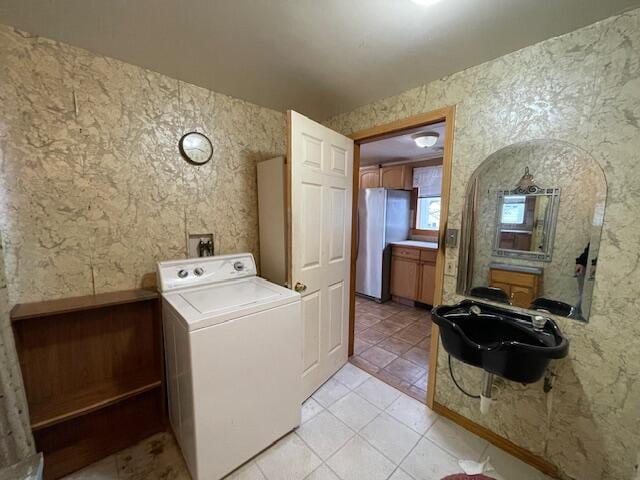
x: 198, y: 271
x: 238, y: 266
x: 183, y: 273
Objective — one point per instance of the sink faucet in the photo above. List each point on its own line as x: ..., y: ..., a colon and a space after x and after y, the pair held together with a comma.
x: 539, y: 322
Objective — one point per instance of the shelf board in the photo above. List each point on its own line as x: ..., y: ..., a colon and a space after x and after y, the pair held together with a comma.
x: 52, y: 412
x: 25, y: 311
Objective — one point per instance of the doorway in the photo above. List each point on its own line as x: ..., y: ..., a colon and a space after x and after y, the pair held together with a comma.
x: 390, y: 331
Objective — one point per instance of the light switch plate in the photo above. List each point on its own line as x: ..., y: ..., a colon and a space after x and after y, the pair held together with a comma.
x: 451, y: 238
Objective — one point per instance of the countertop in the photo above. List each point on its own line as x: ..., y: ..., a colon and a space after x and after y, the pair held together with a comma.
x: 516, y: 268
x: 417, y: 244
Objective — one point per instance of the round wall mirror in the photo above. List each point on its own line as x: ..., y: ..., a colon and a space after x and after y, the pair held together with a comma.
x: 196, y: 148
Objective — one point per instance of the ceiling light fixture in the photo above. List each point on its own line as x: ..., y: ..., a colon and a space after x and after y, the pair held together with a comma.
x: 426, y: 140
x: 425, y: 2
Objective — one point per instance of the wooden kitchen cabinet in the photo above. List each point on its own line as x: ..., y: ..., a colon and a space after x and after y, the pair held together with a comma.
x: 399, y: 177
x: 522, y: 288
x: 370, y: 177
x: 427, y: 283
x: 413, y: 273
x: 404, y: 277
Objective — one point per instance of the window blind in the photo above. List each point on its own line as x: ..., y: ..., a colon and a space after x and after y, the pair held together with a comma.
x: 428, y: 181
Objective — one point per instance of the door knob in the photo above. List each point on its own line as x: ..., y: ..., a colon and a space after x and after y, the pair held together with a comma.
x: 300, y: 287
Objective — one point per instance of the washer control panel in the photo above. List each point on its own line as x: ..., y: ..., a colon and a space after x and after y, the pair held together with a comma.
x: 194, y: 272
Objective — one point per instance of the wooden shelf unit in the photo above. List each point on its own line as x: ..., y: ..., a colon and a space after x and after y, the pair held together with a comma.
x: 88, y: 362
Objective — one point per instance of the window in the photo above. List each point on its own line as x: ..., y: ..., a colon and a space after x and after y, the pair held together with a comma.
x: 513, y: 210
x: 428, y: 215
x: 428, y: 182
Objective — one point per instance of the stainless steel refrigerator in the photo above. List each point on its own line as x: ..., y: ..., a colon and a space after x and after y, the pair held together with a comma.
x: 383, y: 217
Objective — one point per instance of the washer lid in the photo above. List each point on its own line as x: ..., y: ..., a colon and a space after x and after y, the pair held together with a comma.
x: 208, y: 305
x: 225, y: 296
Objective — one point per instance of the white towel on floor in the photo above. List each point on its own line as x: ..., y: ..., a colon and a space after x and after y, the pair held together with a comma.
x: 475, y: 468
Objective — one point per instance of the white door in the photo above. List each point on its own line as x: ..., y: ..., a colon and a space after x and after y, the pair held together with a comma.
x: 321, y: 197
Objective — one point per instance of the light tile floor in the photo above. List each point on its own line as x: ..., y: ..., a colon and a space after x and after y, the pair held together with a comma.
x: 355, y: 427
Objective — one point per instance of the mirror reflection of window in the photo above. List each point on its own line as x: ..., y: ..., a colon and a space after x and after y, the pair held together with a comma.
x: 522, y: 219
x: 513, y: 209
x: 428, y: 181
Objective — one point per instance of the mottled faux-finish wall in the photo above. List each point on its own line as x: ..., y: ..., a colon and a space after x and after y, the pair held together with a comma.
x: 93, y: 189
x: 582, y: 88
x: 15, y: 435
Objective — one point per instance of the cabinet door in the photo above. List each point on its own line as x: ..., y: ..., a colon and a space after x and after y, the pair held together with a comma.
x: 398, y: 177
x: 392, y: 177
x: 404, y: 278
x: 370, y: 177
x: 503, y: 286
x: 521, y: 296
x: 427, y: 283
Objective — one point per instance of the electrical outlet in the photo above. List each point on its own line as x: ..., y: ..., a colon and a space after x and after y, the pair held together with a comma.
x: 450, y: 267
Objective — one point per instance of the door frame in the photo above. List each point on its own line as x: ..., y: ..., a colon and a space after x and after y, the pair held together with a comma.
x: 446, y: 115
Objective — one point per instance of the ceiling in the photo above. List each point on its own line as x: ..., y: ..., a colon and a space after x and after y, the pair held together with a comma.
x: 320, y: 57
x: 402, y: 147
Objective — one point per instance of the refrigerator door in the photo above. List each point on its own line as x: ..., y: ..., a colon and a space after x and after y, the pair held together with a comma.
x: 398, y: 218
x: 370, y: 241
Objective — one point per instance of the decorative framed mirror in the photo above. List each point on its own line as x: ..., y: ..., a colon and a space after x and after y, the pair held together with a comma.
x: 526, y: 221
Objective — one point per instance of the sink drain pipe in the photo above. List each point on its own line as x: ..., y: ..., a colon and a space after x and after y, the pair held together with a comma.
x: 485, y: 396
x: 487, y: 386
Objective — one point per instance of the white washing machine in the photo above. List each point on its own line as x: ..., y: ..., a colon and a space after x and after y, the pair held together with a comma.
x: 233, y: 346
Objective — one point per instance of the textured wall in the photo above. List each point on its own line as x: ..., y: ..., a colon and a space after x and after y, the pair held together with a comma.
x: 15, y: 435
x: 94, y: 191
x: 582, y: 88
x: 582, y: 189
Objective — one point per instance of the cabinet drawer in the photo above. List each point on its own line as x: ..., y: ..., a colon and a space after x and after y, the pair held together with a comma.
x: 406, y: 252
x: 513, y: 278
x: 428, y: 255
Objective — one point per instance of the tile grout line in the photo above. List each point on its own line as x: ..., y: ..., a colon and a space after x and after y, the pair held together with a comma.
x: 322, y: 461
x: 357, y: 432
x: 381, y: 411
x: 254, y: 460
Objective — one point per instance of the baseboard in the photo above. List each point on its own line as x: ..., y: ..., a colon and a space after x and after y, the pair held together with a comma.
x: 500, y: 442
